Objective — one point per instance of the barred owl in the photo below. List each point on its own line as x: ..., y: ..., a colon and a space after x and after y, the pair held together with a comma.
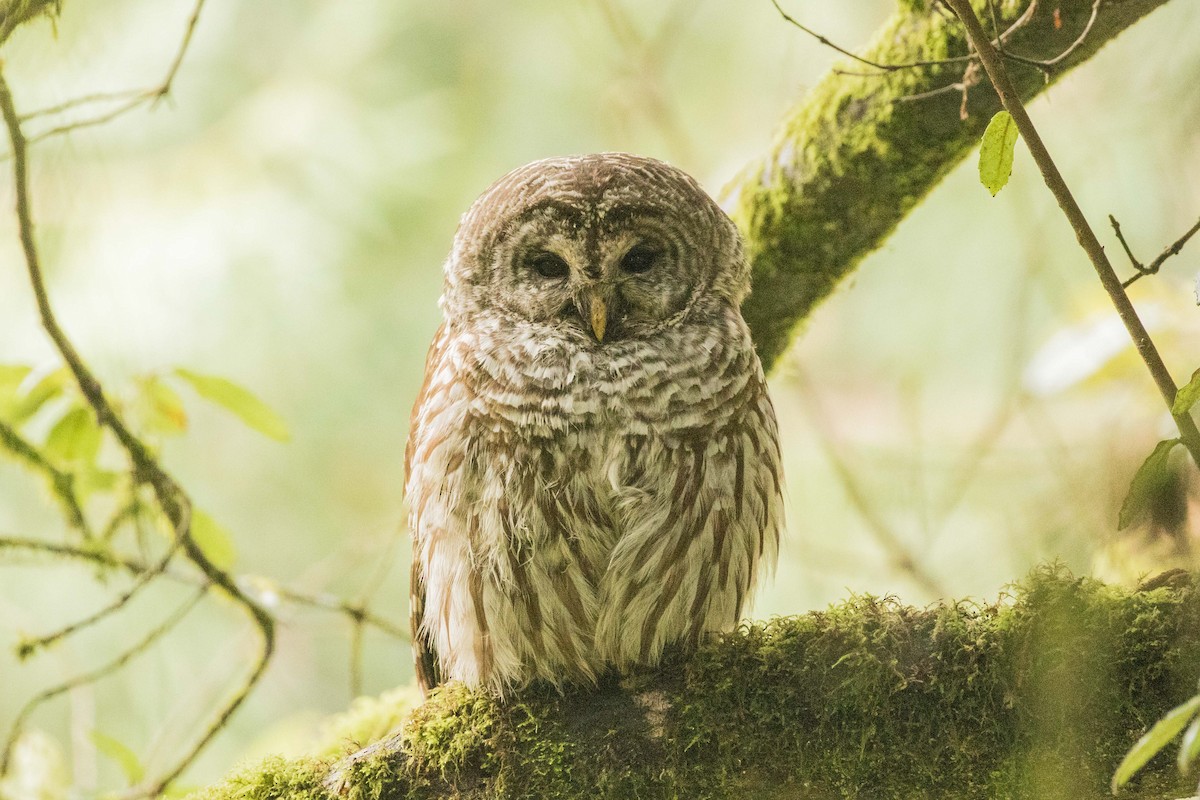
x: 593, y: 466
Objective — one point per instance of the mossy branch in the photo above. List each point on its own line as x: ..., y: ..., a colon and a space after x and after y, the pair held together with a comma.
x: 1036, y: 696
x: 859, y: 152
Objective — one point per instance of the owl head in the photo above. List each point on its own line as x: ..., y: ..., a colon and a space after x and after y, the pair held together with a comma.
x: 603, y: 248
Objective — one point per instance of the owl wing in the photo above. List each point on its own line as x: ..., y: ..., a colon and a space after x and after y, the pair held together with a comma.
x: 425, y: 657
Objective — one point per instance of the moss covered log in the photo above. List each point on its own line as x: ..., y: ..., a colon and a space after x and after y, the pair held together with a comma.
x: 854, y: 157
x: 1036, y: 696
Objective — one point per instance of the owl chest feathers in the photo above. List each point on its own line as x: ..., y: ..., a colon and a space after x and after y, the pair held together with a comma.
x: 575, y: 508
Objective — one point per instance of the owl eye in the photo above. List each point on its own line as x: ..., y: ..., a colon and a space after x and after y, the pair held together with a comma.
x: 639, y: 259
x: 549, y: 265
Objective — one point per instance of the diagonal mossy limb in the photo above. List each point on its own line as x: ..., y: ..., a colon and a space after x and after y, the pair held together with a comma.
x: 1036, y: 696
x: 858, y: 153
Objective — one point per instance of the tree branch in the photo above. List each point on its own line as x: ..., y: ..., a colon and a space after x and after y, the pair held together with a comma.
x: 171, y: 498
x: 61, y: 483
x: 852, y: 160
x: 1036, y: 696
x: 1011, y: 99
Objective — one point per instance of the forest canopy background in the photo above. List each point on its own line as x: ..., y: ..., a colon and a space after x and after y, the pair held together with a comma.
x: 281, y: 220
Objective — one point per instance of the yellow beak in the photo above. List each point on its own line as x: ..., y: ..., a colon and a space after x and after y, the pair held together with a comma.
x: 599, y: 316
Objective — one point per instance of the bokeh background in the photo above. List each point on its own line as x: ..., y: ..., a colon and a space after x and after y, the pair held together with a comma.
x: 963, y: 408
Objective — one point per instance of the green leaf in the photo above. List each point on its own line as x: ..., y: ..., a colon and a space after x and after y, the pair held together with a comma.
x: 1150, y: 475
x: 1155, y: 740
x: 996, y: 152
x: 162, y: 407
x: 125, y: 758
x: 238, y: 400
x: 20, y: 406
x: 74, y: 439
x: 1186, y: 397
x: 1189, y: 748
x: 213, y: 539
x: 11, y: 376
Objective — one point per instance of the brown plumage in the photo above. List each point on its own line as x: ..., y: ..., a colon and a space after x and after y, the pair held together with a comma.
x: 593, y: 468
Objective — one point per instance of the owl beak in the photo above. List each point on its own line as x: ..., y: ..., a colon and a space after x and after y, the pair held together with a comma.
x: 599, y: 315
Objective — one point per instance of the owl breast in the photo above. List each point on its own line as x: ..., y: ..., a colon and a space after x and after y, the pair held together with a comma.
x: 579, y: 507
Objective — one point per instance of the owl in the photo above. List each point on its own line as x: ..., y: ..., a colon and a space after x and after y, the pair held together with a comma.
x: 593, y: 465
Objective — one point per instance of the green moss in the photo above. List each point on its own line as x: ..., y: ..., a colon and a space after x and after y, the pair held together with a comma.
x: 368, y: 720
x: 452, y: 730
x: 1036, y: 696
x: 272, y: 779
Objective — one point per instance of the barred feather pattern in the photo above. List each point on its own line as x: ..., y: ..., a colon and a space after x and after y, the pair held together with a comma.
x: 578, y: 505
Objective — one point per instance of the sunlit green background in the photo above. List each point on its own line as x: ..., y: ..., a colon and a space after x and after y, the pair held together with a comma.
x: 954, y: 414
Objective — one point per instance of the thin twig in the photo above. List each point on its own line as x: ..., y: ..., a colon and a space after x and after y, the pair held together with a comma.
x: 96, y: 556
x: 91, y: 677
x: 170, y: 497
x: 939, y: 62
x: 1154, y: 266
x: 354, y: 612
x: 135, y: 97
x: 61, y: 483
x: 1050, y: 63
x: 30, y: 646
x: 868, y: 62
x: 1011, y: 99
x: 82, y: 100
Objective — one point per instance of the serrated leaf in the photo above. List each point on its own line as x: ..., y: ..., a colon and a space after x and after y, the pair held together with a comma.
x: 1155, y: 740
x: 74, y: 439
x: 239, y: 401
x: 996, y: 152
x: 1189, y: 747
x: 1150, y: 474
x: 162, y: 407
x: 125, y: 758
x: 1187, y: 396
x: 213, y: 539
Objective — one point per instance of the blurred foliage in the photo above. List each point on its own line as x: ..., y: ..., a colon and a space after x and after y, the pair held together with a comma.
x: 962, y: 405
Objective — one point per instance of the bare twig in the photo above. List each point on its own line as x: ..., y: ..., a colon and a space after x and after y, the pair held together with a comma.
x: 133, y: 97
x: 1051, y: 63
x: 96, y: 556
x: 356, y: 612
x: 61, y: 483
x: 169, y: 495
x: 91, y: 677
x: 1153, y: 267
x: 1083, y: 231
x: 939, y: 62
x: 868, y: 62
x: 82, y: 100
x: 30, y: 646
